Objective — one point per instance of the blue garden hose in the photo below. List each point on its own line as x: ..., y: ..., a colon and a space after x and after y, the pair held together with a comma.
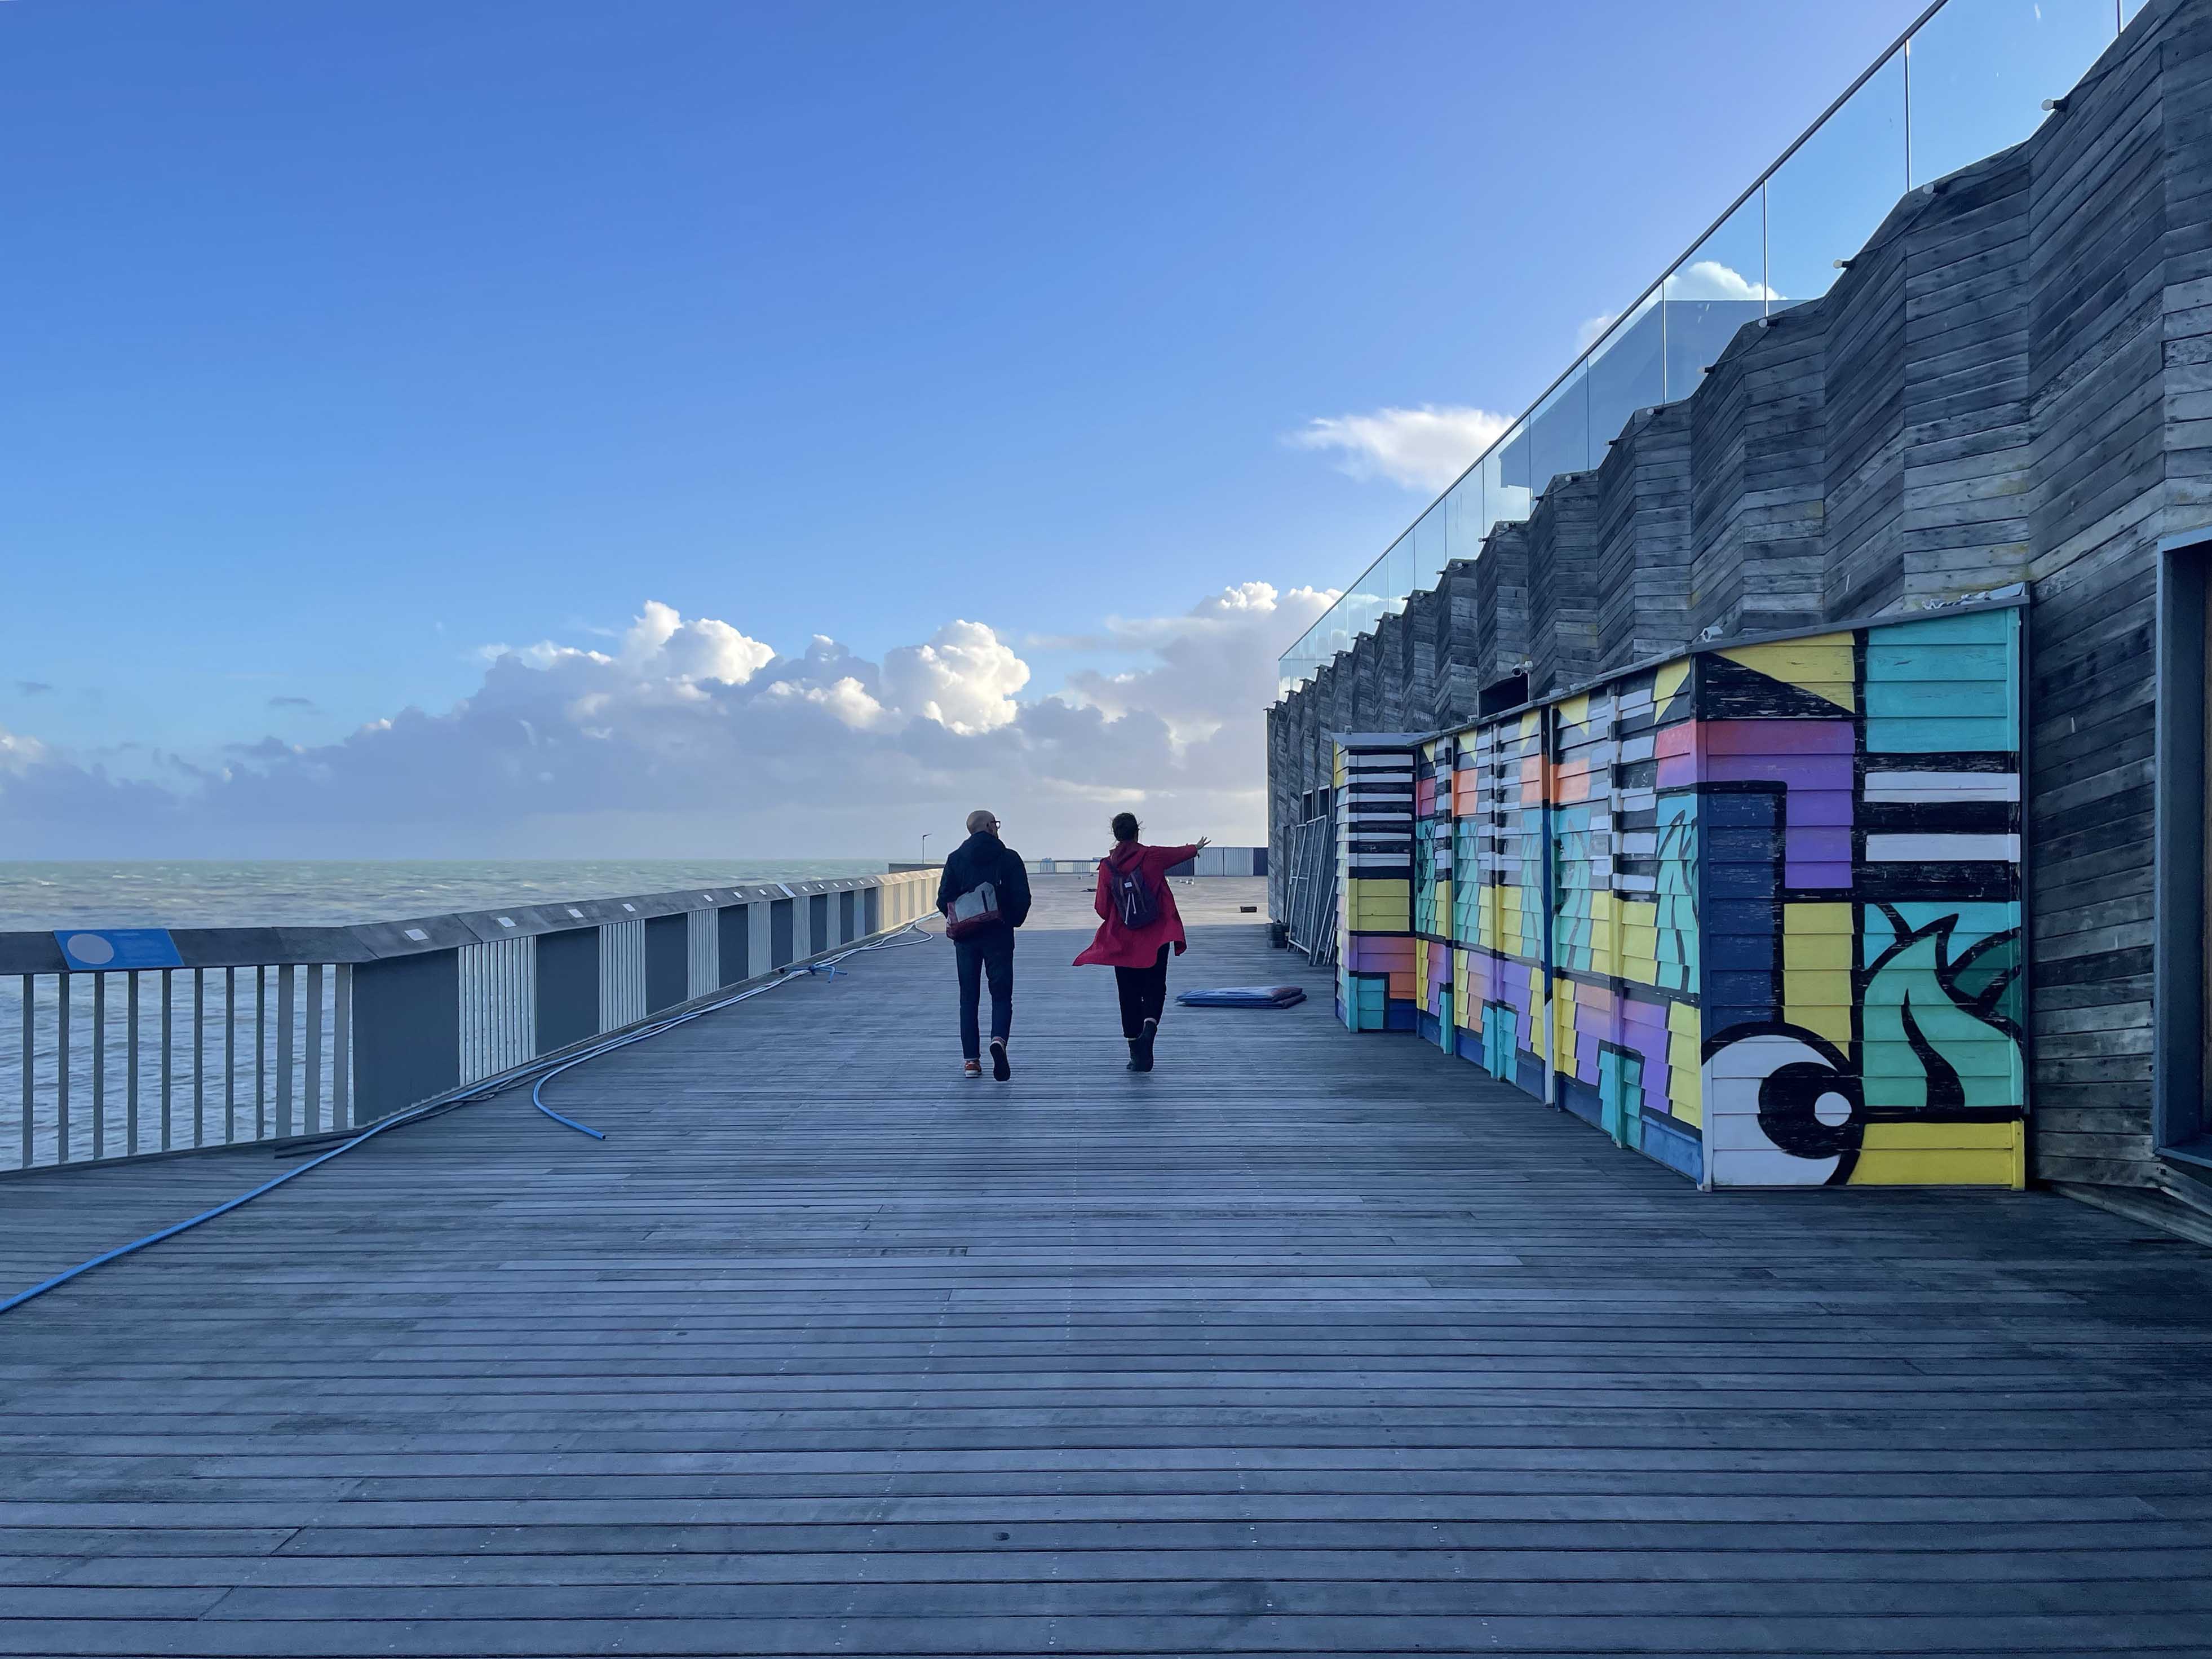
x: 912, y: 934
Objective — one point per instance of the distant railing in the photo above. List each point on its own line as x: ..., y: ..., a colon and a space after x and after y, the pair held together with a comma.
x: 136, y: 1042
x: 1310, y: 890
x: 1214, y: 861
x: 1969, y: 78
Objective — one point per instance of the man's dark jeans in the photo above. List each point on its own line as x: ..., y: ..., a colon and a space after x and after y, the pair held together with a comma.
x: 989, y: 954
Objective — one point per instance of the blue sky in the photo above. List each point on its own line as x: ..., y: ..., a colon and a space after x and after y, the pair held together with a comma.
x: 344, y: 339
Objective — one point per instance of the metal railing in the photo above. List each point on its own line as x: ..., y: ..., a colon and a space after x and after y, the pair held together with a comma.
x: 116, y: 1064
x: 1310, y: 890
x: 264, y: 1034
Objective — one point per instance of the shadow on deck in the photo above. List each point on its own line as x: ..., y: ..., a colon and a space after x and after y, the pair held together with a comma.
x: 1303, y: 1343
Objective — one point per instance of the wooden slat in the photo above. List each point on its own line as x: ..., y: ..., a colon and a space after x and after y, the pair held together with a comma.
x: 1306, y: 1342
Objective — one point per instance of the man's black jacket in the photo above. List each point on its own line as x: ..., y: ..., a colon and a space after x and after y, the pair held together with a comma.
x: 983, y: 857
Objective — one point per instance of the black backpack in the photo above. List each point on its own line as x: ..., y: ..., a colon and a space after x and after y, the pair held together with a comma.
x: 1135, y: 901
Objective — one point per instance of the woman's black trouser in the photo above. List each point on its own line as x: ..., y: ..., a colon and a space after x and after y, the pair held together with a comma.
x: 1144, y: 994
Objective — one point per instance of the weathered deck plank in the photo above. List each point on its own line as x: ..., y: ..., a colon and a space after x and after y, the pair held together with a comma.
x: 1306, y: 1343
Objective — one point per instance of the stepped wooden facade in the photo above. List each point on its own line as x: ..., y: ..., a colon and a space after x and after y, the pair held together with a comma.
x: 2008, y: 394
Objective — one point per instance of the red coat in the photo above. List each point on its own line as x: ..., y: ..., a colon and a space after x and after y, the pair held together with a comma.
x: 1117, y: 946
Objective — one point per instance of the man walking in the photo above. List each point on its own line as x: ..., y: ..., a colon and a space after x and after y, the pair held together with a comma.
x: 984, y: 895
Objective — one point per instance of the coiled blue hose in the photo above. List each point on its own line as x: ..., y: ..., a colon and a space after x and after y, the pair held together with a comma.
x: 911, y: 933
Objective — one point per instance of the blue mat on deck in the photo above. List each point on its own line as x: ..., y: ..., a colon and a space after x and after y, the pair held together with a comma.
x: 1244, y: 996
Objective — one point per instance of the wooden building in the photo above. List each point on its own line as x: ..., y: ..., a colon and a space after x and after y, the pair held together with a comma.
x: 1977, y: 471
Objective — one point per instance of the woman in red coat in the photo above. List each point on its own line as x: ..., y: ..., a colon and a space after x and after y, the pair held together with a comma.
x: 1134, y: 876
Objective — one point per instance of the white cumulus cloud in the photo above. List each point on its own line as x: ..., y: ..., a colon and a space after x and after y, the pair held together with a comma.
x: 1423, y: 448
x: 1708, y: 279
x: 692, y: 738
x: 964, y: 678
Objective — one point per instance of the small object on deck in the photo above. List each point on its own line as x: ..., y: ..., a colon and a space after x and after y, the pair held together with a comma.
x: 1247, y: 909
x: 1279, y: 935
x: 1244, y: 996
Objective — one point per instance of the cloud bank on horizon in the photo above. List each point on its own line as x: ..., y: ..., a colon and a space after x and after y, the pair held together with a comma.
x: 691, y: 738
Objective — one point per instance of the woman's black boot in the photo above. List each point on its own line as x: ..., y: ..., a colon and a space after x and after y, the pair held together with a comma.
x: 1143, y: 1046
x: 1135, y: 1064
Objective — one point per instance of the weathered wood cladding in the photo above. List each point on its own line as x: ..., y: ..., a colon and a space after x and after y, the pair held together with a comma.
x: 1563, y: 583
x: 1643, y: 589
x: 2011, y: 381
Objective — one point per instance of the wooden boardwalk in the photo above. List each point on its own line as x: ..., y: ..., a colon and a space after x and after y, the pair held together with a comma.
x: 1304, y: 1343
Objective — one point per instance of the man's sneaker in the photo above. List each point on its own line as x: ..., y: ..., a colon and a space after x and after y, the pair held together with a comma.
x: 1000, y: 1069
x: 973, y: 1068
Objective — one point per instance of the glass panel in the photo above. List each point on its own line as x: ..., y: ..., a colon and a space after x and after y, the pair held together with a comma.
x: 1824, y: 203
x: 1558, y: 431
x: 1428, y: 554
x: 1719, y: 288
x: 2129, y: 10
x: 1465, y: 523
x: 1981, y: 70
x: 1506, y: 477
x: 1361, y: 607
x: 1398, y: 580
x: 1627, y: 373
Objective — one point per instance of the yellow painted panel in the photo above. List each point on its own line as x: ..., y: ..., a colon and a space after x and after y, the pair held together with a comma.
x: 1823, y: 666
x: 1816, y: 936
x: 1924, y: 1154
x: 1685, y: 1090
x: 1574, y: 710
x: 1821, y: 1003
x: 1563, y: 1017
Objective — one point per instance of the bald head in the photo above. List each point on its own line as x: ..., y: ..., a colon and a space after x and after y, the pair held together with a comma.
x: 981, y: 819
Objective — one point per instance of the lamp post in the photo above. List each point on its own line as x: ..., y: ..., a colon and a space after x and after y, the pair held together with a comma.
x: 924, y: 846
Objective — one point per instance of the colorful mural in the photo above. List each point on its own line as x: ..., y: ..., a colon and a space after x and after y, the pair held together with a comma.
x: 1755, y: 913
x: 1376, y: 944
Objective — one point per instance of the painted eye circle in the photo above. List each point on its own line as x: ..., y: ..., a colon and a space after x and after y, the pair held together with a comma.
x: 1832, y: 1109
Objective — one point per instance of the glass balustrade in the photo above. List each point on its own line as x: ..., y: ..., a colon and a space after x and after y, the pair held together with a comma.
x: 1972, y: 78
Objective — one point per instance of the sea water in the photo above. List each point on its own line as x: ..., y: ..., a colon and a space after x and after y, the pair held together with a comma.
x: 265, y: 893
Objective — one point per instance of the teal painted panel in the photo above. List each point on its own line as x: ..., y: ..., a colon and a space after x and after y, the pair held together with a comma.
x: 1921, y: 660
x: 1943, y: 684
x: 1974, y: 628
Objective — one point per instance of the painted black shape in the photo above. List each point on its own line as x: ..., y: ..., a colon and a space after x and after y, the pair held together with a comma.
x: 567, y: 988
x: 734, y: 941
x: 406, y: 1031
x: 667, y: 961
x: 1945, y: 1091
x: 847, y: 930
x: 1729, y: 691
x: 872, y: 910
x: 818, y: 922
x: 1996, y: 976
x: 1787, y: 1098
x: 1982, y: 881
x: 1976, y: 817
x: 780, y: 952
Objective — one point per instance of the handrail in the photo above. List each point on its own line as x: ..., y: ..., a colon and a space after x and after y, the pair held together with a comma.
x: 147, y: 1043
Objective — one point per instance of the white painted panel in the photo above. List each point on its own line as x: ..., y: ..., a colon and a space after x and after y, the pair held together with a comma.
x: 1940, y: 787
x: 622, y: 972
x: 499, y: 1006
x: 757, y: 931
x: 1942, y: 849
x: 703, y: 953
